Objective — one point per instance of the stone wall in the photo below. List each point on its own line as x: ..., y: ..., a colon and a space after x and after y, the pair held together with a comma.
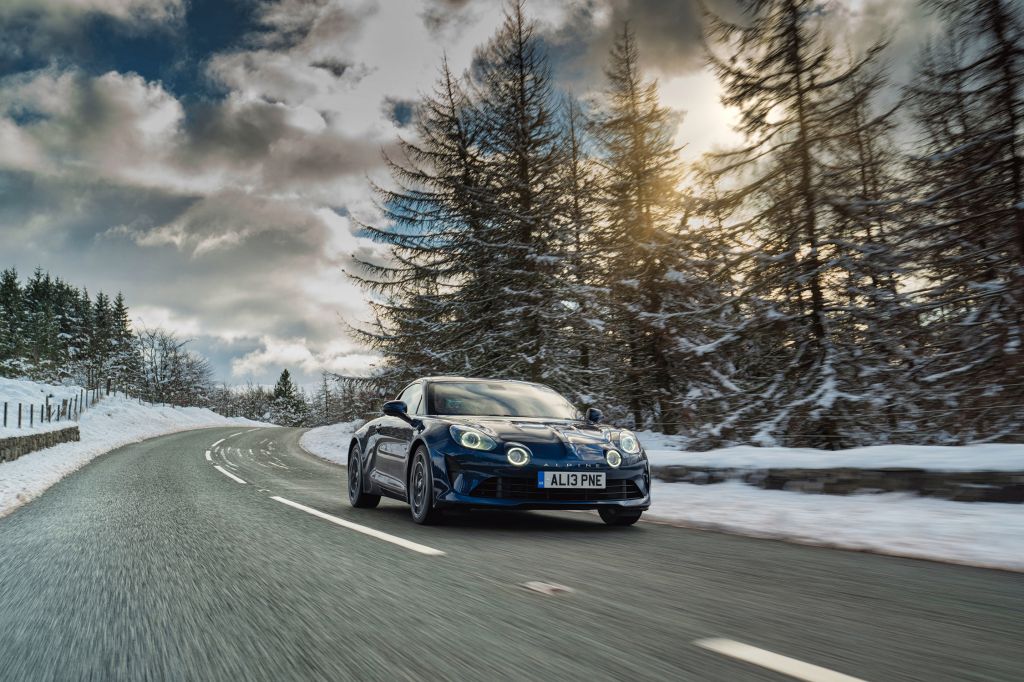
x: 14, y: 447
x: 960, y: 486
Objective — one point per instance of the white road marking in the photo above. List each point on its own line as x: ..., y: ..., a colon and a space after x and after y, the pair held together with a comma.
x: 548, y: 589
x: 235, y: 434
x: 217, y: 443
x: 208, y: 456
x: 228, y: 473
x: 380, y: 535
x: 780, y: 664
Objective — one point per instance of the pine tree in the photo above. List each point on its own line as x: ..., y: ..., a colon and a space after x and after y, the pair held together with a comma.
x: 525, y: 233
x: 642, y: 248
x: 792, y: 95
x: 42, y: 327
x: 429, y: 298
x: 289, y: 405
x: 584, y: 327
x: 968, y: 103
x: 12, y: 324
x: 100, y: 340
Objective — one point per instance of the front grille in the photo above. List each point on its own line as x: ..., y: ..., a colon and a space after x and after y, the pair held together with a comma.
x: 508, y: 488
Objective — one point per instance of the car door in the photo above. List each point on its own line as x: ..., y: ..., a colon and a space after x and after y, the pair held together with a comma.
x: 393, y: 444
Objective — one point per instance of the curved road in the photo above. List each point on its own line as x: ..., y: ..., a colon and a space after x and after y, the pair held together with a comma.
x: 153, y: 564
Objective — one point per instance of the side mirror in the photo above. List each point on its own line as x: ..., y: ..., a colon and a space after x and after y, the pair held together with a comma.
x: 396, y: 408
x: 594, y: 415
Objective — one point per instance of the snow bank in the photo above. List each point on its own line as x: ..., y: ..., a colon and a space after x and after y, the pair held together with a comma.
x: 330, y: 442
x: 977, y: 534
x: 111, y: 423
x: 988, y: 457
x: 27, y: 393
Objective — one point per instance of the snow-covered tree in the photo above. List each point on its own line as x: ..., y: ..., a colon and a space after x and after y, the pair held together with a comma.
x: 968, y: 104
x: 798, y: 103
x: 638, y: 233
x: 289, y: 404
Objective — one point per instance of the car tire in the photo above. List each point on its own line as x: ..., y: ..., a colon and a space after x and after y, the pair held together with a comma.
x: 614, y: 516
x: 357, y: 497
x: 420, y: 490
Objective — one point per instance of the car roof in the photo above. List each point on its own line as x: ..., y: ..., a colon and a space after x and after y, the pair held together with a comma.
x: 441, y: 379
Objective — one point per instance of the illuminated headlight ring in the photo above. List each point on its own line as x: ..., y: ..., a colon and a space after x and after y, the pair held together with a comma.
x: 518, y: 455
x: 471, y: 438
x: 629, y: 443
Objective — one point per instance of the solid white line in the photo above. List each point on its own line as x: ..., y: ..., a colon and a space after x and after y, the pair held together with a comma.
x: 217, y: 443
x: 208, y: 456
x: 227, y: 473
x: 380, y: 535
x: 781, y: 664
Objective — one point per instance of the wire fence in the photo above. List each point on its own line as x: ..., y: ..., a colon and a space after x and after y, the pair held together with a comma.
x: 32, y: 415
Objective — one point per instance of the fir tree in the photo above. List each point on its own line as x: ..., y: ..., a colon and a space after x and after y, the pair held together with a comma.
x: 641, y: 247
x: 968, y: 103
x: 793, y: 95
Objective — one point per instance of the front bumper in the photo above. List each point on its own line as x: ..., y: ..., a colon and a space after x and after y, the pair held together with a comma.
x: 486, y: 480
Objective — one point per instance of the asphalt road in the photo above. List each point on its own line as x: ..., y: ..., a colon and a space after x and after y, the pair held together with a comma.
x: 152, y: 564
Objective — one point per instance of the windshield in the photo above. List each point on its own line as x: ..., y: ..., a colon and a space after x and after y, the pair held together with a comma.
x: 498, y: 399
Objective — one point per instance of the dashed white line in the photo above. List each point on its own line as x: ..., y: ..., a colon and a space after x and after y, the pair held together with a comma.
x: 228, y: 473
x: 235, y: 434
x: 780, y: 664
x: 208, y: 456
x: 217, y: 443
x: 365, y: 530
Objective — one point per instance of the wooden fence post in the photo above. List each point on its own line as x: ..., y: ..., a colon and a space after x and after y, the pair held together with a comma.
x: 31, y: 415
x: 19, y: 415
x: 5, y: 414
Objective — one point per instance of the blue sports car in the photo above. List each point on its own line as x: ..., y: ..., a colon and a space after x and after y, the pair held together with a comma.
x: 454, y: 442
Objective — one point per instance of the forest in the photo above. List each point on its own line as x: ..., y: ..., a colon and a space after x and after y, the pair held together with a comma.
x: 53, y: 332
x: 851, y: 274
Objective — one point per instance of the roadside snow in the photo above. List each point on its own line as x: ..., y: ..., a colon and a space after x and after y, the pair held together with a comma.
x: 111, y: 423
x: 330, y: 442
x: 978, y: 534
x: 15, y: 391
x: 988, y: 457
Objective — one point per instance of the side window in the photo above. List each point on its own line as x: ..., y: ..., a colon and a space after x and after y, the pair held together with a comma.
x: 411, y: 396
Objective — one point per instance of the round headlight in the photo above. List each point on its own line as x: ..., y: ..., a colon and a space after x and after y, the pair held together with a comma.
x: 628, y: 442
x: 614, y: 458
x: 471, y: 438
x: 518, y: 455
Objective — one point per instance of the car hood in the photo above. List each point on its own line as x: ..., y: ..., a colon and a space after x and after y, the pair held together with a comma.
x: 575, y: 438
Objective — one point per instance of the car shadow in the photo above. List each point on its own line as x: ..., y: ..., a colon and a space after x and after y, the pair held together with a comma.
x: 512, y: 521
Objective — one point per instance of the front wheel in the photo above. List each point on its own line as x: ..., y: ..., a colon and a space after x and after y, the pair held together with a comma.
x: 421, y: 489
x: 356, y: 496
x: 614, y: 516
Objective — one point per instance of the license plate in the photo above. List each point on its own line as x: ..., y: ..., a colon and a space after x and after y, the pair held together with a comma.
x: 570, y: 479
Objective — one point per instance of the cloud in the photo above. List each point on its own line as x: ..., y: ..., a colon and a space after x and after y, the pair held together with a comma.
x: 228, y: 217
x: 225, y: 220
x: 128, y: 11
x: 275, y: 354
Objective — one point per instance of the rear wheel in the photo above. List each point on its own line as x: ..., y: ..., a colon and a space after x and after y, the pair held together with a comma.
x: 614, y: 516
x: 421, y: 489
x: 356, y: 496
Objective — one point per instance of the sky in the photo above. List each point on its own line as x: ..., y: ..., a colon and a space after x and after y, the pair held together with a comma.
x: 208, y: 157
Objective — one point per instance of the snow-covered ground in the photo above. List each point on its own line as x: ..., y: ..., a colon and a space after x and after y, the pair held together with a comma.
x: 111, y: 423
x: 330, y: 442
x: 976, y: 534
x: 27, y: 393
x: 989, y: 457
